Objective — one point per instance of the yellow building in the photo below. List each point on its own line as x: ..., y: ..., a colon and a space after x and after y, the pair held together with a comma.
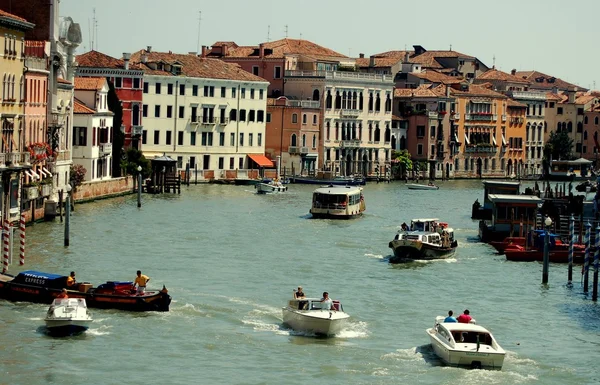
x: 13, y: 156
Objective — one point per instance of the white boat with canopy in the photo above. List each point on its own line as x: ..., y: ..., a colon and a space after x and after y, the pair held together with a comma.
x: 308, y: 315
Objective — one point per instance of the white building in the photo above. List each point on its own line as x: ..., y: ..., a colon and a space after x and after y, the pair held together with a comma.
x: 92, y: 128
x: 205, y: 113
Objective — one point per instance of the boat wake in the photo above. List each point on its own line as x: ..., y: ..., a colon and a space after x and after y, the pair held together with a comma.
x: 375, y: 256
x: 103, y: 330
x: 414, y: 355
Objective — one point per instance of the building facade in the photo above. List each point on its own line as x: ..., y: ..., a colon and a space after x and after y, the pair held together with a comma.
x: 207, y: 114
x: 92, y: 128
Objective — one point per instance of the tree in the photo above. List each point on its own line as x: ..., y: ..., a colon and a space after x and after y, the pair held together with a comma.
x: 558, y: 146
x: 134, y: 159
x: 401, y: 163
x: 115, y: 106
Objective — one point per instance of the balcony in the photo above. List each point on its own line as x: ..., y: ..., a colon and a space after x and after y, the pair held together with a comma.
x: 455, y: 116
x: 205, y: 120
x: 137, y: 130
x: 504, y: 118
x: 341, y: 75
x: 485, y: 116
x: 293, y: 150
x: 304, y: 150
x: 350, y: 143
x: 432, y: 114
x: 31, y: 193
x: 223, y: 121
x: 528, y: 95
x: 474, y: 148
x: 350, y: 113
x: 106, y: 148
x: 304, y: 103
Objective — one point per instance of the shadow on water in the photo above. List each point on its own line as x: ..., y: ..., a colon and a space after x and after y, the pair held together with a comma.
x: 408, y: 264
x: 429, y: 355
x: 44, y: 331
x: 583, y: 310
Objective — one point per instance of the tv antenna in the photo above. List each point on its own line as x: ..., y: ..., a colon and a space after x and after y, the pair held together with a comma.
x: 198, y: 44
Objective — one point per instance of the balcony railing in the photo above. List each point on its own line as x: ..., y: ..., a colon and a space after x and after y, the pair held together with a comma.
x: 528, y: 95
x: 293, y: 150
x: 304, y: 103
x: 350, y: 113
x: 479, y: 116
x: 304, y: 150
x: 432, y: 114
x: 455, y: 116
x: 481, y: 149
x: 342, y: 75
x: 106, y: 148
x: 137, y: 130
x: 504, y: 118
x: 223, y: 121
x: 350, y: 143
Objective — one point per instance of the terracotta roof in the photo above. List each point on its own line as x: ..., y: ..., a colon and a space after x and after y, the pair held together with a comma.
x: 379, y: 62
x: 89, y: 84
x: 97, y: 59
x: 80, y: 108
x: 194, y: 66
x: 541, y: 80
x: 11, y: 16
x: 427, y: 59
x: 515, y: 104
x: 227, y: 43
x: 282, y: 47
x: 476, y: 90
x: 584, y: 98
x: 555, y: 97
x: 423, y: 91
x: 437, y: 77
x: 494, y: 74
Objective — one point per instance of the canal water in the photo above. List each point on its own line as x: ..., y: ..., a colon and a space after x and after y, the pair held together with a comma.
x: 231, y: 258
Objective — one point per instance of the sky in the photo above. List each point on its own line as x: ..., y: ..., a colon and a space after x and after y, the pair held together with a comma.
x: 551, y: 36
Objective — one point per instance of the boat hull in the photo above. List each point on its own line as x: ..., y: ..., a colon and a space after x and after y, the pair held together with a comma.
x: 556, y: 256
x: 267, y: 188
x: 319, y: 322
x: 407, y: 250
x: 500, y: 246
x: 465, y: 358
x: 335, y: 182
x: 421, y: 187
x: 151, y: 301
x: 67, y: 327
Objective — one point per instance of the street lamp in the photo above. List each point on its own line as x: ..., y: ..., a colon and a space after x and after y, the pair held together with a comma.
x: 139, y: 195
x: 548, y: 223
x: 67, y: 213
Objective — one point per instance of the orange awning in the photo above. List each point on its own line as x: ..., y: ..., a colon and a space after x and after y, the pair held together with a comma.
x: 261, y: 160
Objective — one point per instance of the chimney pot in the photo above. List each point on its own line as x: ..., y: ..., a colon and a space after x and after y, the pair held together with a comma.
x: 361, y: 55
x: 126, y: 57
x: 372, y: 61
x: 204, y: 51
x: 261, y: 50
x: 149, y: 48
x: 513, y: 72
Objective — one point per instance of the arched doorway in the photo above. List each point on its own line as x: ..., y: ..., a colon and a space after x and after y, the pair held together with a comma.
x: 365, y: 165
x: 349, y: 164
x: 479, y: 167
x: 509, y: 167
x: 393, y: 142
x: 447, y: 170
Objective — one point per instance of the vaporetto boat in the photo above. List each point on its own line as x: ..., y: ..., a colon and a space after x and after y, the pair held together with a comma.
x: 306, y: 315
x: 341, y: 202
x: 425, y: 239
x: 465, y: 345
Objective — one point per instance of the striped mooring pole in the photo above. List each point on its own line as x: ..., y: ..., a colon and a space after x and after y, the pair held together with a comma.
x: 586, y: 259
x: 6, y: 245
x: 571, y: 236
x: 596, y: 261
x: 22, y: 236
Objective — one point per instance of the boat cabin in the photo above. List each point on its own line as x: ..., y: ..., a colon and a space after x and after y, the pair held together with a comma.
x: 337, y: 201
x: 484, y: 211
x: 311, y: 304
x: 511, y: 214
x: 455, y: 332
x: 569, y: 169
x: 427, y: 224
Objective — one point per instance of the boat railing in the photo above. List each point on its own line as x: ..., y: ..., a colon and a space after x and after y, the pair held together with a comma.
x: 329, y: 206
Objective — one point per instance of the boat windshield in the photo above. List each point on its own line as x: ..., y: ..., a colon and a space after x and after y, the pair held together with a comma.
x: 472, y: 337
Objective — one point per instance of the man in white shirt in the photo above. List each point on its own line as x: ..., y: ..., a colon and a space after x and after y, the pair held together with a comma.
x: 326, y: 302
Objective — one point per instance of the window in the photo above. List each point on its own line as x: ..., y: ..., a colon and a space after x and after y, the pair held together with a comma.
x: 231, y: 163
x: 182, y: 89
x: 580, y: 111
x: 243, y: 93
x: 242, y: 115
x: 209, y: 91
x: 157, y: 111
x: 251, y: 114
x: 233, y: 115
x: 251, y: 93
x: 204, y: 138
x: 223, y: 92
x: 194, y: 113
x: 255, y: 70
x: 144, y: 136
x: 232, y: 139
x: 261, y: 94
x: 233, y: 92
x: 432, y: 131
x: 194, y: 90
x: 180, y: 138
x: 169, y: 111
x: 221, y: 162
x: 170, y: 89
x: 180, y: 162
x: 241, y: 163
x: 260, y: 116
x: 79, y: 136
x: 118, y: 82
x: 181, y: 112
x: 145, y: 110
x: 156, y: 136
x: 136, y: 84
x: 303, y: 118
x: 420, y: 131
x: 250, y: 139
x: 277, y: 74
x: 269, y: 117
x: 192, y: 162
x: 559, y: 110
x: 314, y: 120
x: 221, y: 138
x: 294, y: 118
x: 168, y: 139
x: 222, y: 115
x: 145, y: 87
x: 259, y: 139
x: 157, y: 88
x: 419, y: 149
x: 192, y: 138
x: 241, y: 139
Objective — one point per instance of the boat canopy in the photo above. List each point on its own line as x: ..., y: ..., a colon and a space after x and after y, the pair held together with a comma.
x: 38, y: 278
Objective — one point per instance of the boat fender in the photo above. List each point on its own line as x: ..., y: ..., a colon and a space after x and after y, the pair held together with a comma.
x: 330, y: 314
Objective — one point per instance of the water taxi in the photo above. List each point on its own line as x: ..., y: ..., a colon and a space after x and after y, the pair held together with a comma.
x: 307, y: 315
x: 335, y: 202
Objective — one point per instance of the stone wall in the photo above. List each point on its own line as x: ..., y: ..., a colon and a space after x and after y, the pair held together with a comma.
x: 89, y: 191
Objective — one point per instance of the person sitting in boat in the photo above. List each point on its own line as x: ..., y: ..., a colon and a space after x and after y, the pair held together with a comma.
x: 465, y: 317
x: 450, y: 317
x: 326, y: 302
x: 299, y: 293
x: 141, y: 281
x: 63, y: 294
x: 404, y: 227
x: 71, y: 281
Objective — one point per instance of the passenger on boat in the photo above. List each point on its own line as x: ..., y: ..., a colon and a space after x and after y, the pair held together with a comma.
x: 63, y: 294
x: 71, y: 279
x: 299, y: 293
x: 404, y: 227
x: 327, y: 303
x: 445, y: 239
x: 450, y: 317
x: 464, y: 318
x: 141, y: 281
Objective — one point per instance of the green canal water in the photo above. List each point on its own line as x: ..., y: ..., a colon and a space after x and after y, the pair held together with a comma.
x: 230, y: 259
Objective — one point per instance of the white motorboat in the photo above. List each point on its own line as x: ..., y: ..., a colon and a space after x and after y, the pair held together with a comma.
x: 267, y: 186
x: 424, y: 239
x: 306, y: 315
x: 465, y: 345
x: 68, y: 316
x: 415, y: 186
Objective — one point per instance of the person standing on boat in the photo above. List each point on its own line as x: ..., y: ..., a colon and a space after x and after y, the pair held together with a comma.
x: 465, y: 317
x: 450, y: 317
x: 326, y: 302
x: 63, y: 294
x: 141, y: 281
x: 71, y: 279
x: 300, y: 293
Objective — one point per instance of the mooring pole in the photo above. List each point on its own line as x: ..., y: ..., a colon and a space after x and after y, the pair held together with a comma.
x: 596, y: 261
x: 571, y: 236
x: 67, y: 217
x: 586, y: 259
x: 547, y: 222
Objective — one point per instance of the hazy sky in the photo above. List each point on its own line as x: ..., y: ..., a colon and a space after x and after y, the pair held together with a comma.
x: 552, y: 36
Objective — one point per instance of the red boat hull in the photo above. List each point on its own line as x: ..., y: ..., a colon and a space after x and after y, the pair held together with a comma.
x: 555, y: 256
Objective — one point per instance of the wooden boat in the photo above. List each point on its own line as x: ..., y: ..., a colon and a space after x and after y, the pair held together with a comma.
x: 338, y: 202
x: 500, y: 246
x: 67, y: 317
x: 415, y: 186
x: 558, y: 251
x: 39, y: 287
x: 425, y: 239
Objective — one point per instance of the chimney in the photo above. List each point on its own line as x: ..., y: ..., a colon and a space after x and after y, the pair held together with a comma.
x: 144, y: 58
x: 126, y: 57
x: 224, y: 49
x: 447, y: 91
x: 204, y: 51
x: 149, y: 48
x: 513, y: 72
x: 555, y: 90
x: 361, y: 55
x: 371, y: 61
x: 572, y: 93
x: 406, y: 57
x: 261, y: 50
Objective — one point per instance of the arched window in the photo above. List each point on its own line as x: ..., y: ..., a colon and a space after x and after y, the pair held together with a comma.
x: 22, y: 89
x: 304, y: 119
x: 316, y: 95
x: 387, y: 133
x: 233, y: 115
x: 527, y: 132
x: 370, y: 132
x: 403, y: 143
x: 456, y: 164
x: 466, y: 164
x: 585, y: 135
x: 4, y: 88
x: 354, y: 100
x: 596, y: 120
x: 314, y: 141
x: 378, y: 103
x: 360, y: 131
x: 338, y: 100
x: 135, y: 115
x: 294, y: 118
x: 327, y: 130
x: 12, y: 87
x: 303, y: 140
x: 294, y: 140
x: 360, y: 101
x: 558, y: 127
x: 344, y: 100
x: 370, y: 101
x: 388, y: 103
x: 315, y: 119
x: 328, y: 100
x: 493, y: 164
x: 337, y: 131
x: 569, y: 127
x: 585, y: 120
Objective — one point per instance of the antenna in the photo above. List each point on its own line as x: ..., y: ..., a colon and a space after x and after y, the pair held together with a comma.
x: 300, y: 35
x: 286, y: 31
x: 268, y: 33
x: 198, y: 44
x: 450, y: 46
x: 494, y: 60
